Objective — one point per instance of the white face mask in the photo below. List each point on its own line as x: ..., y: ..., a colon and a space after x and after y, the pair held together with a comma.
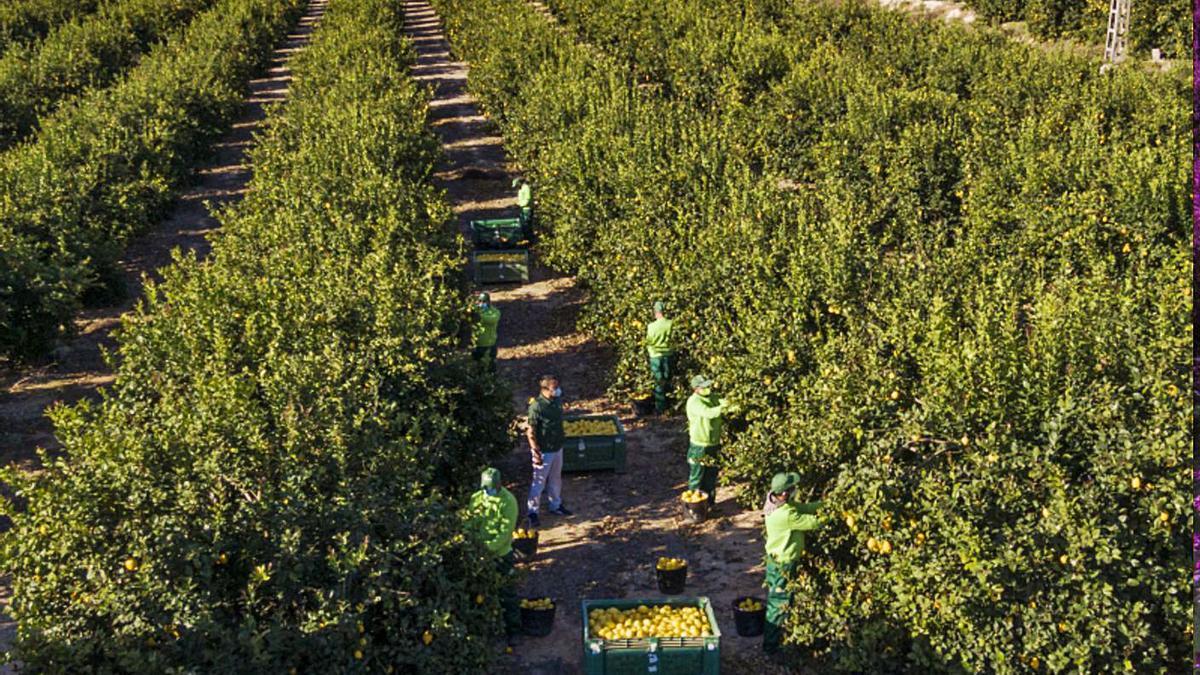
x: 558, y: 392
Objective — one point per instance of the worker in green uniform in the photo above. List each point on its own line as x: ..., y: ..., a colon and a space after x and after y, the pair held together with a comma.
x: 658, y: 346
x: 525, y: 203
x: 787, y: 524
x: 486, y: 324
x: 493, y: 511
x: 704, y: 436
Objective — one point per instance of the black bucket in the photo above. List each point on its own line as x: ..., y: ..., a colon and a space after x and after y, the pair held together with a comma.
x: 749, y: 624
x: 695, y: 511
x: 537, y: 622
x: 524, y: 549
x: 671, y: 582
x: 643, y: 407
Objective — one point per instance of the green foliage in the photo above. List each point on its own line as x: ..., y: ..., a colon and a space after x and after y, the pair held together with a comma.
x: 35, y: 79
x: 107, y: 166
x: 270, y: 483
x: 1165, y: 24
x: 944, y: 275
x: 23, y: 21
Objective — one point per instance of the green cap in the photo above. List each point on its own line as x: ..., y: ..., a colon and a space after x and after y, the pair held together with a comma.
x: 490, y: 478
x: 484, y: 297
x: 659, y: 306
x: 701, y: 382
x: 782, y: 482
x: 517, y: 181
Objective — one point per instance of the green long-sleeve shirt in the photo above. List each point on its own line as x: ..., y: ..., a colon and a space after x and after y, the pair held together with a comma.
x: 493, y: 520
x: 525, y: 196
x: 658, y: 337
x: 786, y: 527
x: 485, y: 329
x: 704, y: 419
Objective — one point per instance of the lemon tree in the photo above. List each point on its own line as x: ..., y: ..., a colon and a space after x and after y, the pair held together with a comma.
x: 272, y: 483
x: 946, y: 276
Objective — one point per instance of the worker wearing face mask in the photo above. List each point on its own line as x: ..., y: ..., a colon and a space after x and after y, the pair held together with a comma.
x: 493, y: 517
x: 545, y: 437
x: 525, y: 204
x: 788, y: 524
x: 704, y: 414
x: 487, y: 323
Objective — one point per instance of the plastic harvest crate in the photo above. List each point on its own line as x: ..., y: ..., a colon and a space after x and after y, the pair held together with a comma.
x: 585, y: 453
x: 492, y: 267
x: 498, y: 233
x: 663, y: 656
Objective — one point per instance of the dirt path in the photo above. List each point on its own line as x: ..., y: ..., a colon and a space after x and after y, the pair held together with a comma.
x: 622, y: 522
x: 76, y: 368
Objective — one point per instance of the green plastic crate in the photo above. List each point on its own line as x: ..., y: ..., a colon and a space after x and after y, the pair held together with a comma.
x: 662, y: 656
x: 492, y: 267
x: 588, y: 453
x: 500, y: 233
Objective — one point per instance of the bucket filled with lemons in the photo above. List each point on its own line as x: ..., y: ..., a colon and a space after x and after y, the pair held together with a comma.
x: 537, y: 616
x: 695, y: 505
x: 524, y: 543
x: 646, y: 621
x: 671, y: 574
x: 750, y: 616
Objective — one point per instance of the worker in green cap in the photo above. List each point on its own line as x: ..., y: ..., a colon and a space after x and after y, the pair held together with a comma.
x: 787, y: 523
x: 658, y: 346
x: 525, y: 203
x: 704, y: 411
x: 487, y: 320
x: 493, y: 518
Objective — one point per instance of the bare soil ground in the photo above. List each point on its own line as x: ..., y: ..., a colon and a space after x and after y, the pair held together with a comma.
x: 77, y: 368
x: 622, y: 522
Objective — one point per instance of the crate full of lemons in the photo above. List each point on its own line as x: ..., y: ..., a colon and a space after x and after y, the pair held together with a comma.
x: 493, y: 267
x: 593, y: 442
x: 666, y: 636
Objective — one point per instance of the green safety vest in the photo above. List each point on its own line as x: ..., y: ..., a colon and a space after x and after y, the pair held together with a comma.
x: 704, y: 419
x: 485, y: 330
x: 493, y: 519
x: 658, y: 337
x: 785, y: 530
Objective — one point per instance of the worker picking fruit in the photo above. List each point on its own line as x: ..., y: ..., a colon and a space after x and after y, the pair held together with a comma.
x: 493, y: 517
x: 661, y: 355
x: 704, y: 412
x: 786, y: 528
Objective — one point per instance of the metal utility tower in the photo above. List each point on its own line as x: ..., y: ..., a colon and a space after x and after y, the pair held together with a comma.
x: 1118, y: 29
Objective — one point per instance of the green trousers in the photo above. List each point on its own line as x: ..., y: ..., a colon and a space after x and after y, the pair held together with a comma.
x: 509, y: 605
x: 527, y: 223
x: 703, y: 468
x: 487, y: 355
x: 778, y: 600
x: 660, y: 370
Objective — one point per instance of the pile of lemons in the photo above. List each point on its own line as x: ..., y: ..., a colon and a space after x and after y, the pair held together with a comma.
x: 644, y: 622
x: 694, y: 496
x: 537, y: 603
x: 750, y: 605
x: 500, y: 257
x: 589, y: 428
x: 671, y: 564
x: 522, y: 533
